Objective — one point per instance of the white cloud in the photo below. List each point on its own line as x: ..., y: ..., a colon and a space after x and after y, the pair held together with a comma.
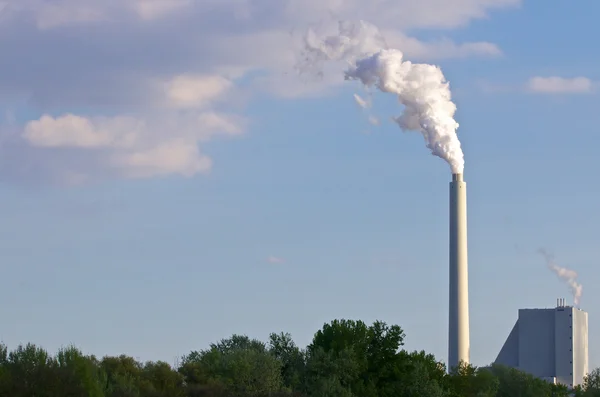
x: 49, y: 15
x: 440, y: 49
x: 129, y: 147
x: 152, y: 9
x: 275, y: 260
x: 175, y: 157
x: 164, y: 73
x: 76, y: 131
x: 560, y: 85
x: 53, y: 15
x: 403, y: 14
x: 196, y: 91
x: 60, y: 13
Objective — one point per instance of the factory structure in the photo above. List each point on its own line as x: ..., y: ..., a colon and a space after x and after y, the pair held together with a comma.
x: 551, y: 344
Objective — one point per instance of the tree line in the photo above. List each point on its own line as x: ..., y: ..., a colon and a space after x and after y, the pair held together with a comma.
x: 345, y: 359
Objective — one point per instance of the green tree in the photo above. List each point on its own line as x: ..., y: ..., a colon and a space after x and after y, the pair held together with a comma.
x: 331, y: 374
x: 361, y: 360
x: 4, y: 373
x: 31, y: 372
x: 560, y: 391
x: 436, y: 370
x: 345, y: 359
x: 123, y: 376
x: 469, y: 381
x: 78, y: 375
x: 514, y: 383
x: 199, y: 390
x: 591, y: 385
x: 242, y: 365
x: 421, y: 378
x: 159, y: 379
x: 291, y: 358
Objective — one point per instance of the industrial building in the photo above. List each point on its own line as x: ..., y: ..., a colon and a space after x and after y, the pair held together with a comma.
x: 549, y: 343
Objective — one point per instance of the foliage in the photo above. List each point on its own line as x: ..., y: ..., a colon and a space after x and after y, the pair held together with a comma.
x: 345, y: 359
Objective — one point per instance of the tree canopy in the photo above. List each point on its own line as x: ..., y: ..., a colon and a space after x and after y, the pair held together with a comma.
x: 346, y: 358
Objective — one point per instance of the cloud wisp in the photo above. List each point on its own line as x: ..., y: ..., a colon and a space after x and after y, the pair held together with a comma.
x: 275, y: 260
x: 560, y: 85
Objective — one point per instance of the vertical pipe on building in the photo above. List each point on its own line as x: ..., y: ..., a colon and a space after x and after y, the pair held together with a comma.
x: 458, y: 324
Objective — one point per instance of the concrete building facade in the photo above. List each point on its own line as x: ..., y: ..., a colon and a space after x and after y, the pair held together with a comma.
x: 549, y: 343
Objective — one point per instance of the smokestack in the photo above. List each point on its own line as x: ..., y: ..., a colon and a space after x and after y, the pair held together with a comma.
x: 458, y: 324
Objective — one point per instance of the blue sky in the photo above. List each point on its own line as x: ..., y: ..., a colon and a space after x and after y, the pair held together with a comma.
x: 118, y: 237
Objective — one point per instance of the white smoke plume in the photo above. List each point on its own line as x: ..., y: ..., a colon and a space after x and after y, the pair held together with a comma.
x: 421, y: 88
x: 565, y: 274
x: 353, y: 40
x: 425, y: 94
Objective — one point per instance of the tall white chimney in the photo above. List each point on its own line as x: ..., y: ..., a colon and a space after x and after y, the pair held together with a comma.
x: 458, y: 325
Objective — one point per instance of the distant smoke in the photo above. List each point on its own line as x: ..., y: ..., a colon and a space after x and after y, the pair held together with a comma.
x: 421, y: 88
x: 567, y: 275
x: 366, y: 105
x: 374, y: 120
x: 363, y: 103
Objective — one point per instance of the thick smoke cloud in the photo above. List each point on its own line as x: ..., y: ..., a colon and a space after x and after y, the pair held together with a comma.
x: 421, y: 88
